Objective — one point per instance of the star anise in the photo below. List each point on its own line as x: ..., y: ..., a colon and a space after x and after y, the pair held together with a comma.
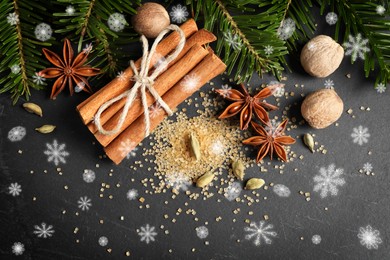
x: 270, y: 140
x: 68, y: 70
x: 246, y: 104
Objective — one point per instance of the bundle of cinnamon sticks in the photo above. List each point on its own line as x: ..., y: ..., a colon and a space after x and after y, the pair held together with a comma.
x: 193, y: 68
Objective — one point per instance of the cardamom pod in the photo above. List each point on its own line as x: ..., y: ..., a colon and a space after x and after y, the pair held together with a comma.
x: 238, y: 169
x: 254, y: 184
x: 195, y: 146
x: 33, y: 108
x: 45, y: 129
x: 204, y: 180
x: 309, y: 142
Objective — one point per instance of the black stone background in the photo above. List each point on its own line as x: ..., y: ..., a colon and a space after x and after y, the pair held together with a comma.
x: 363, y: 200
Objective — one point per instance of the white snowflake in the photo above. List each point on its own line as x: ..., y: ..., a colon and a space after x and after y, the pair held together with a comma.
x: 329, y: 84
x: 17, y: 133
x: 38, y: 79
x: 233, y: 191
x: 268, y: 50
x: 316, y: 239
x: 286, y: 29
x: 179, y: 13
x: 380, y: 88
x: 70, y: 10
x: 84, y: 203
x: 121, y: 76
x: 15, y: 69
x: 331, y: 18
x: 356, y: 47
x: 128, y: 148
x: 12, y: 18
x: 367, y: 167
x: 116, y: 22
x: 14, y: 189
x: 79, y: 87
x: 272, y: 127
x: 161, y: 61
x: 311, y: 46
x: 178, y: 181
x: 225, y: 90
x: 103, y: 241
x: 380, y: 10
x: 88, y: 48
x: 154, y: 110
x: 56, y: 153
x: 217, y: 147
x: 190, y: 82
x: 328, y: 180
x: 369, y: 237
x: 18, y: 248
x: 202, y: 232
x: 89, y: 175
x: 132, y: 194
x: 360, y: 135
x: 43, y: 230
x: 147, y: 233
x: 43, y: 32
x: 233, y: 40
x: 260, y: 232
x: 281, y: 190
x: 279, y: 88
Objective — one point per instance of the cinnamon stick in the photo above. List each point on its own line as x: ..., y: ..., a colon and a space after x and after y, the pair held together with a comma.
x: 201, y: 37
x: 89, y: 107
x: 210, y: 67
x: 162, y: 84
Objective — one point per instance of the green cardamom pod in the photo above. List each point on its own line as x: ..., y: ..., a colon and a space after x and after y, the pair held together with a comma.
x: 33, y: 108
x: 254, y: 184
x: 204, y: 180
x: 309, y: 142
x: 45, y: 129
x: 238, y: 169
x: 195, y: 146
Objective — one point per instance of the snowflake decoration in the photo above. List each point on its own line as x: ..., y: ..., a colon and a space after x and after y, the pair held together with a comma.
x: 132, y: 194
x: 18, y: 248
x: 217, y: 147
x: 70, y: 10
x: 286, y: 29
x: 233, y: 191
x: 116, y: 22
x: 38, y: 79
x: 84, y: 203
x: 103, y: 241
x: 281, y: 190
x: 331, y: 18
x: 190, y: 82
x: 56, y: 153
x: 279, y: 90
x: 128, y: 148
x: 17, y: 133
x: 43, y: 32
x: 179, y: 13
x: 380, y: 88
x: 12, y: 18
x: 15, y: 69
x: 329, y: 84
x: 311, y: 46
x: 43, y: 230
x: 79, y: 87
x: 260, y: 232
x: 316, y: 239
x: 121, y: 76
x: 178, y: 181
x: 225, y: 90
x: 14, y: 189
x: 88, y: 48
x: 356, y: 47
x: 360, y: 135
x: 328, y: 180
x: 369, y: 237
x: 272, y: 126
x: 268, y: 50
x: 233, y: 40
x: 161, y: 61
x: 154, y: 110
x: 202, y: 232
x: 367, y: 168
x: 380, y: 10
x: 89, y: 176
x: 147, y: 233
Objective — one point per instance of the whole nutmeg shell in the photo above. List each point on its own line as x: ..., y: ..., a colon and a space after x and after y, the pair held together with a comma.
x: 321, y: 56
x: 322, y: 108
x: 150, y: 20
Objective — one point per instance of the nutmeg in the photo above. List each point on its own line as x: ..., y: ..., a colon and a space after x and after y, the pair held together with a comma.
x: 321, y: 56
x: 150, y: 20
x: 322, y: 108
